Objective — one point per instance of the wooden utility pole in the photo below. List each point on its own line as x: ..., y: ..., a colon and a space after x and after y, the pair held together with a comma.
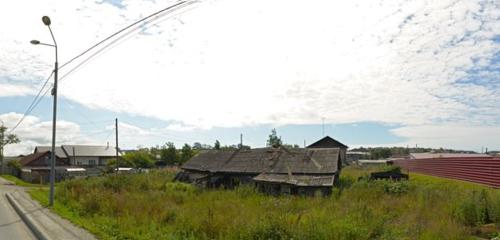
x: 116, y: 136
x: 241, y: 140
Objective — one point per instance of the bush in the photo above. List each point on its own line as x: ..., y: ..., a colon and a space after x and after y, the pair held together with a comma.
x: 476, y: 209
x: 396, y: 187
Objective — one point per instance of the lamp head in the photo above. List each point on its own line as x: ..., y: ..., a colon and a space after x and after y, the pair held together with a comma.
x: 46, y: 20
x: 35, y: 42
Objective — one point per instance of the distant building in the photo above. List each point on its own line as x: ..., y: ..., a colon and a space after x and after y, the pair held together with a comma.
x: 355, y: 156
x: 303, y: 171
x: 329, y: 142
x: 82, y: 155
x: 71, y: 161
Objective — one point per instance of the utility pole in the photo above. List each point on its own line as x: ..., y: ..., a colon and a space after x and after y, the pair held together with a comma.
x: 241, y: 140
x: 46, y: 21
x: 116, y: 136
x: 1, y: 147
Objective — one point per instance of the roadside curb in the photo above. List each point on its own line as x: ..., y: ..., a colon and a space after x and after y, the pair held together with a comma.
x: 28, y: 220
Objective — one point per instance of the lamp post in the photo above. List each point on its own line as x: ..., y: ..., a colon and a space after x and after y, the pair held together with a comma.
x: 46, y: 21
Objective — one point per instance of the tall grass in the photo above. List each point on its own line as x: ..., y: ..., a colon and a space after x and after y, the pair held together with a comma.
x: 151, y: 206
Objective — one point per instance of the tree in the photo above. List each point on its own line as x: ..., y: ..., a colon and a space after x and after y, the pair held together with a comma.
x: 291, y: 146
x: 140, y: 159
x: 274, y: 140
x: 186, y: 153
x: 6, y: 139
x: 168, y: 153
x: 217, y: 145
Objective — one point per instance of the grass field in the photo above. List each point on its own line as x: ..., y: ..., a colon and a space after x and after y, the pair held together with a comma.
x: 20, y: 182
x: 151, y: 206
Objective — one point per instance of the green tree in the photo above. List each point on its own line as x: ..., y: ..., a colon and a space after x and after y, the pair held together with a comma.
x: 140, y: 159
x: 6, y: 139
x: 186, y: 153
x: 168, y: 153
x: 274, y: 140
x: 217, y: 145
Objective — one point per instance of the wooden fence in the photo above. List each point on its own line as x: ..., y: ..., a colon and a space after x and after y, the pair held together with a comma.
x: 479, y: 170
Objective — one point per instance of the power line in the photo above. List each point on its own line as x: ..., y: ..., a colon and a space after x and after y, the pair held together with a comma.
x: 34, y: 103
x: 163, y: 12
x: 127, y: 27
x: 37, y: 98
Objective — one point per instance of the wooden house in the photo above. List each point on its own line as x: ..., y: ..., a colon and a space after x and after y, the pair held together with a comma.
x: 279, y: 170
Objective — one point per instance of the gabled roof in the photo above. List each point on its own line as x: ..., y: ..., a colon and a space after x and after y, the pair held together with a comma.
x: 327, y: 142
x: 267, y: 160
x: 90, y: 151
x: 59, y: 151
x: 29, y: 158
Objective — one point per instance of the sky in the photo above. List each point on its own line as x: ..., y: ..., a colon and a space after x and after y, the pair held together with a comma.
x: 368, y: 73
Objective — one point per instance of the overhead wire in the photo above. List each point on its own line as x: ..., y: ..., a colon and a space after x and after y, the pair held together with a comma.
x: 33, y: 104
x: 38, y: 97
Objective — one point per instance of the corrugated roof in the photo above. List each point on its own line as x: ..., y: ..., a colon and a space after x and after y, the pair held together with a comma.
x: 90, y: 151
x: 270, y: 160
x: 447, y: 155
x: 298, y: 180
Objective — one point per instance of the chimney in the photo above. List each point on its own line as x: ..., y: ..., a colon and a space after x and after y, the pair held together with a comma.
x: 107, y: 145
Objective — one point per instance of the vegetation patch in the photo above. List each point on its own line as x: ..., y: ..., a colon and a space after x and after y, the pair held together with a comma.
x: 151, y: 206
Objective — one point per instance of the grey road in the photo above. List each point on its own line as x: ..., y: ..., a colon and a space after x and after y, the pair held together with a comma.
x: 11, y: 225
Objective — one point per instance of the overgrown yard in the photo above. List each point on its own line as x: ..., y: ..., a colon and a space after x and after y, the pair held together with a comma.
x: 151, y: 206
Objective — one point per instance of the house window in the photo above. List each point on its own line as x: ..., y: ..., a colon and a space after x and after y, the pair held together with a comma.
x: 92, y: 162
x: 78, y: 162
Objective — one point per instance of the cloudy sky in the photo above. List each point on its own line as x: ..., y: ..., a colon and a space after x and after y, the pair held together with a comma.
x: 375, y: 72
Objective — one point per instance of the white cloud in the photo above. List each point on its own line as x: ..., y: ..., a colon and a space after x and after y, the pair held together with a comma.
x: 33, y: 132
x: 9, y: 90
x: 237, y: 63
x: 451, y: 136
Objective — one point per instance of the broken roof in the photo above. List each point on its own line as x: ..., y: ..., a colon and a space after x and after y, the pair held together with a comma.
x: 298, y: 180
x: 267, y: 160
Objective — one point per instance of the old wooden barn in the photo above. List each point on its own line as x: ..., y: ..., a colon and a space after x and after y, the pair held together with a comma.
x: 303, y: 171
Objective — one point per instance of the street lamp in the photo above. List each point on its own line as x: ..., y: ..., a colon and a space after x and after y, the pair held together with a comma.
x: 46, y: 21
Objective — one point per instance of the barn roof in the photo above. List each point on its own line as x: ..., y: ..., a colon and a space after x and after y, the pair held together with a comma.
x: 327, y: 142
x: 268, y: 160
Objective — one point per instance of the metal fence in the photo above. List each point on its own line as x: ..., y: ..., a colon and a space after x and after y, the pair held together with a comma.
x: 479, y: 170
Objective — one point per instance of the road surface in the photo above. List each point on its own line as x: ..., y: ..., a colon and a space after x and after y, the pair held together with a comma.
x: 11, y: 225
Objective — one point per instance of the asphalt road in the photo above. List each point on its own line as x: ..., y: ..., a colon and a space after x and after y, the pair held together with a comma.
x: 11, y: 225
